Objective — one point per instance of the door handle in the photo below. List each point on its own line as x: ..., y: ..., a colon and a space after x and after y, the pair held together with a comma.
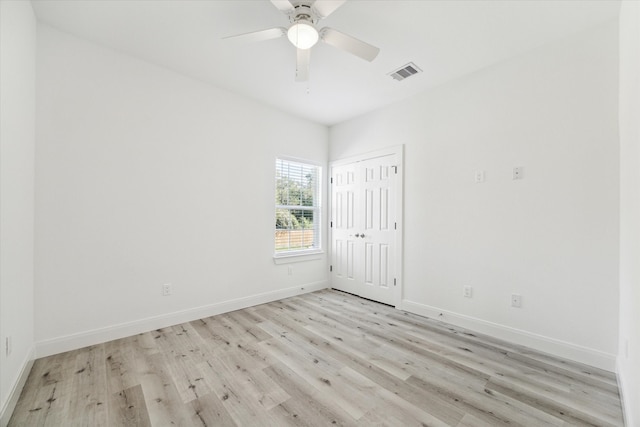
x: 358, y: 235
x: 362, y: 235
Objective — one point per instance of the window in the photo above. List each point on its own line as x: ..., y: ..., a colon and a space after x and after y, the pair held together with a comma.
x: 297, y: 208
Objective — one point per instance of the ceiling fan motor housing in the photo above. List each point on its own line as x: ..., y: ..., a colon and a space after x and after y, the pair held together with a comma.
x: 303, y: 11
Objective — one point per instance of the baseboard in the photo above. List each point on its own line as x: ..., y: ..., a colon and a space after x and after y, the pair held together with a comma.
x: 559, y: 348
x: 97, y: 336
x: 10, y: 404
x: 627, y: 408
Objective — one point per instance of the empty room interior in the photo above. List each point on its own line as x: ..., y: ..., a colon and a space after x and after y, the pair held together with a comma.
x: 320, y: 212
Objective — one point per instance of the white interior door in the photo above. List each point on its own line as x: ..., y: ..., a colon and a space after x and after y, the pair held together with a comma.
x: 344, y: 190
x: 364, y: 212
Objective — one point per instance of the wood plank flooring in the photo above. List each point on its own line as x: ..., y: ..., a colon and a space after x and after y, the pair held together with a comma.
x: 325, y: 358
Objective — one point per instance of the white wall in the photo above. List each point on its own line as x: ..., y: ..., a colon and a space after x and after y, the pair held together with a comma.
x: 629, y: 346
x: 551, y: 237
x: 146, y: 177
x: 17, y: 142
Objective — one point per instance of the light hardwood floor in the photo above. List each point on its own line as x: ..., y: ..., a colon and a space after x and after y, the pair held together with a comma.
x: 325, y: 358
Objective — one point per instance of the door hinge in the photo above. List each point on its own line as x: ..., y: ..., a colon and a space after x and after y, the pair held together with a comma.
x: 331, y: 224
x: 331, y: 180
x: 331, y: 268
x: 395, y: 169
x: 395, y: 225
x: 394, y: 282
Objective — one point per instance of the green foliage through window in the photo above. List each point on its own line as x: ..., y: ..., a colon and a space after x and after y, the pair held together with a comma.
x: 297, y: 207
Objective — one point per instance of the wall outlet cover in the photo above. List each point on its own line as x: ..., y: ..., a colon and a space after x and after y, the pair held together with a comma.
x: 516, y: 300
x: 166, y: 289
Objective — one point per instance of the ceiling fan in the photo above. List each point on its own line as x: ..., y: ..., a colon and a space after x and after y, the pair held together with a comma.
x: 304, y: 15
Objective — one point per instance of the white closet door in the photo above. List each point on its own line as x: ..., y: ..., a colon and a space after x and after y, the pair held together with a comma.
x: 364, y: 256
x: 344, y: 191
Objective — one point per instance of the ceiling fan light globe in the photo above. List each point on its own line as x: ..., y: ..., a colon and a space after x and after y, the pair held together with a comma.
x: 303, y: 35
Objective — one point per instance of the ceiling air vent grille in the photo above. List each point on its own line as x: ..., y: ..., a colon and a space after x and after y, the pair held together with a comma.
x: 405, y: 71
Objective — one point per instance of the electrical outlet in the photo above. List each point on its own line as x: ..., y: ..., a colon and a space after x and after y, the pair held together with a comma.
x: 516, y: 300
x: 479, y: 177
x: 166, y: 289
x: 466, y: 291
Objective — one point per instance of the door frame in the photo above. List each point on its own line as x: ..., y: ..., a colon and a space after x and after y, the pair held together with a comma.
x: 398, y: 152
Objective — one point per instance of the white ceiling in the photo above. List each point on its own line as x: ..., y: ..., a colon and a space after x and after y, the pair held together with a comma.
x: 447, y: 39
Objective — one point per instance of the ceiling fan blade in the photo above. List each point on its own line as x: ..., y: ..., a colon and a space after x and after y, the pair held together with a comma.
x: 283, y: 5
x: 349, y: 44
x: 258, y: 36
x: 303, y: 57
x: 325, y: 8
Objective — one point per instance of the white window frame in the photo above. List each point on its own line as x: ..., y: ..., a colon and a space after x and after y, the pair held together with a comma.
x: 313, y: 252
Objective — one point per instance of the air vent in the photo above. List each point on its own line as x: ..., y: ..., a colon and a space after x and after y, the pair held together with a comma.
x: 405, y: 71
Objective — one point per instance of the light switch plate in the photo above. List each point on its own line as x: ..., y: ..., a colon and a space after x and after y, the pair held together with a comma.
x: 518, y: 173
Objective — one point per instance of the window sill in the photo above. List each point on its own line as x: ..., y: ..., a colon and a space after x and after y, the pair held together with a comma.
x: 298, y: 257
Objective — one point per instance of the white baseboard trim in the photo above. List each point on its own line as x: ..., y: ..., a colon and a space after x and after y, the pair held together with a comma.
x: 627, y: 407
x: 12, y: 399
x: 553, y: 346
x: 97, y: 336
